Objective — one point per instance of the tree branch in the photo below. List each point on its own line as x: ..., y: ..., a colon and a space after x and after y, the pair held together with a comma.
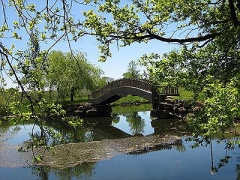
x: 233, y: 13
x: 2, y: 52
x: 150, y: 36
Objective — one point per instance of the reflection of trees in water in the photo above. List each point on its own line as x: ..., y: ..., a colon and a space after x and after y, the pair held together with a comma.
x: 137, y: 125
x: 230, y: 144
x: 158, y: 147
x: 222, y: 162
x: 169, y: 126
x: 89, y: 136
x: 59, y: 136
x: 238, y: 171
x: 41, y: 172
x: 180, y: 148
x: 136, y: 122
x: 83, y: 171
x: 116, y: 118
x: 9, y: 130
x: 74, y: 135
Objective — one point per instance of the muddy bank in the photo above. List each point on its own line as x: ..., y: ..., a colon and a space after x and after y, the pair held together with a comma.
x: 69, y: 155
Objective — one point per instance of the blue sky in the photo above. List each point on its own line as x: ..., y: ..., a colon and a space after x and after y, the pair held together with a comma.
x: 114, y: 67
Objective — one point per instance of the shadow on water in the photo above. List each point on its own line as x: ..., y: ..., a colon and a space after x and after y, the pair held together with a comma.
x: 126, y: 125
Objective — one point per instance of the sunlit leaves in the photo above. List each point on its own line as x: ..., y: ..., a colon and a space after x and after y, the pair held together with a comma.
x: 16, y: 36
x: 43, y: 36
x: 73, y: 122
x: 220, y: 108
x: 170, y: 21
x: 31, y: 7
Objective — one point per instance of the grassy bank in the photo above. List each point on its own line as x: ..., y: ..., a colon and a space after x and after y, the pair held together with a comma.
x: 187, y: 95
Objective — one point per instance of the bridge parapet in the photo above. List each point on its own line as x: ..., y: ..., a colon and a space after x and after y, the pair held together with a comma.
x: 138, y: 83
x: 169, y: 90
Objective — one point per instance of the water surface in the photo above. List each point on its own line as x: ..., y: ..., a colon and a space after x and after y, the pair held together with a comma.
x: 175, y: 162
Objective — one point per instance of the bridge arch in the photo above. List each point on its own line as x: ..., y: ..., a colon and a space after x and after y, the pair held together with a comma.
x: 121, y: 88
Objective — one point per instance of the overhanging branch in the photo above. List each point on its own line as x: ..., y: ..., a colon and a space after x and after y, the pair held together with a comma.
x: 150, y: 36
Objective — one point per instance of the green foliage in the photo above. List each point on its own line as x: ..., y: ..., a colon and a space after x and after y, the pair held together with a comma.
x: 143, y: 21
x: 73, y: 122
x: 133, y: 72
x: 6, y: 98
x: 136, y: 123
x: 3, y: 108
x: 203, y: 71
x: 70, y: 73
x: 212, y: 34
x: 220, y: 108
x: 104, y: 81
x: 184, y: 94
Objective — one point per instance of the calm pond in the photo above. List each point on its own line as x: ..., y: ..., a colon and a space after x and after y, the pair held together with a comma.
x: 179, y: 161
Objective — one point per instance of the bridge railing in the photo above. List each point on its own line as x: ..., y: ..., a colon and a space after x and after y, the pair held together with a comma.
x: 169, y: 90
x: 138, y: 83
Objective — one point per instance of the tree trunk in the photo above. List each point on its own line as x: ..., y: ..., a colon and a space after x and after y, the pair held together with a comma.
x: 72, y: 94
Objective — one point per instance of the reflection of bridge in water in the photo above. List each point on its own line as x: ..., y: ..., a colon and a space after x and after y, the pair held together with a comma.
x: 136, y: 87
x: 102, y: 129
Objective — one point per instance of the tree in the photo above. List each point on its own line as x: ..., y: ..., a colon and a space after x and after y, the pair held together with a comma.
x: 208, y: 58
x: 71, y: 73
x: 32, y: 66
x: 136, y: 123
x: 132, y: 71
x: 205, y: 22
x: 104, y: 81
x: 45, y: 23
x: 142, y: 21
x: 133, y: 21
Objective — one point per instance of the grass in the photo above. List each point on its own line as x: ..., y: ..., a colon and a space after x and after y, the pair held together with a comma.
x: 78, y: 100
x: 128, y: 109
x: 7, y: 97
x: 184, y: 94
x: 187, y: 95
x: 129, y: 99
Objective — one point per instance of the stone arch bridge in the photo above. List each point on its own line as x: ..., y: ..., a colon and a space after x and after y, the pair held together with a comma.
x: 136, y: 87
